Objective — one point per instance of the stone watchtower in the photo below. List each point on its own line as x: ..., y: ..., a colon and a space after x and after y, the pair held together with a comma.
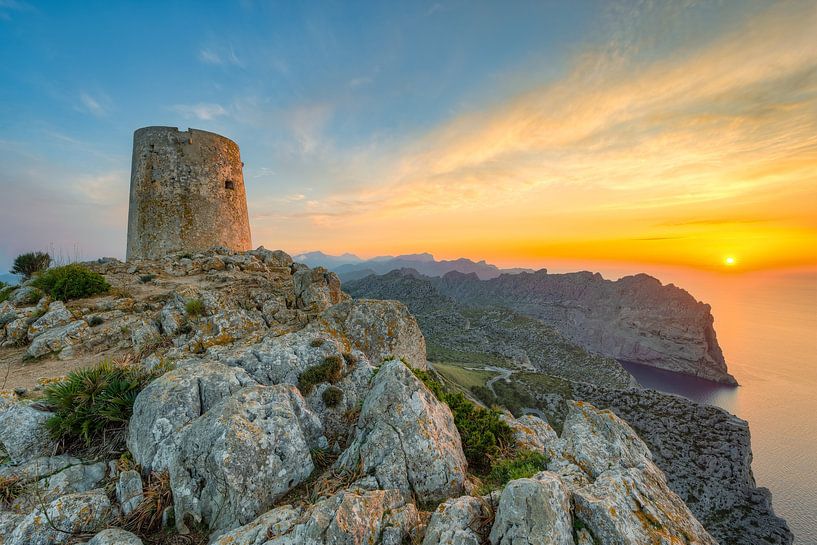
x: 186, y: 193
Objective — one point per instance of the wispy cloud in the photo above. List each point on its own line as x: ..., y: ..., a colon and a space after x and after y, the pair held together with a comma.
x: 7, y: 7
x: 220, y: 56
x: 98, y: 106
x: 203, y: 111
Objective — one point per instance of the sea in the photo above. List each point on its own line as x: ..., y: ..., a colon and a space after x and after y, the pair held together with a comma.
x: 767, y: 326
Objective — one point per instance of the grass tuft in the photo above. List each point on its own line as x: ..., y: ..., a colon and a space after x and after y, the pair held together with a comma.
x: 328, y: 371
x: 194, y: 307
x: 332, y: 396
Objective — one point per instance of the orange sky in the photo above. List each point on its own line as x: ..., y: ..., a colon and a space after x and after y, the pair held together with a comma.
x: 706, y: 151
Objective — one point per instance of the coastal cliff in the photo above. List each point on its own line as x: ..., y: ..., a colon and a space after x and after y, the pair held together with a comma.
x: 261, y: 404
x: 634, y: 319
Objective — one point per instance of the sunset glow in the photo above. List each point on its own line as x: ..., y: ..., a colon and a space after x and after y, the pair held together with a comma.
x: 540, y: 134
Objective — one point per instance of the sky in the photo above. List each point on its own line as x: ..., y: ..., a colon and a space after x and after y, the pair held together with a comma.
x: 526, y: 133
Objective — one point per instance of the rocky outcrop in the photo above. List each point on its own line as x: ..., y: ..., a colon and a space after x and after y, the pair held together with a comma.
x: 457, y: 521
x: 534, y: 510
x: 114, y: 536
x: 471, y: 333
x: 58, y: 521
x: 634, y: 319
x: 22, y: 432
x: 406, y: 438
x: 706, y: 456
x: 243, y: 454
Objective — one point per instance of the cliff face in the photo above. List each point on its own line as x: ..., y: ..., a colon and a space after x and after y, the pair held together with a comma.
x: 706, y: 454
x: 457, y: 332
x: 280, y: 411
x: 634, y: 319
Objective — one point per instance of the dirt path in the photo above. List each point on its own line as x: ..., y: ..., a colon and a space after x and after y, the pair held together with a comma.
x: 16, y: 373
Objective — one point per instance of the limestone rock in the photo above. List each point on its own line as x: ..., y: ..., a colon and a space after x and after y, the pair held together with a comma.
x: 532, y: 433
x: 129, y: 491
x: 22, y: 432
x: 16, y: 332
x: 455, y: 522
x: 172, y: 401
x: 25, y: 295
x: 354, y: 517
x: 406, y: 438
x: 56, y: 316
x: 37, y: 468
x: 277, y: 522
x: 379, y: 329
x: 317, y: 289
x: 71, y: 480
x: 534, y: 510
x: 7, y: 313
x: 55, y: 523
x: 599, y: 440
x: 115, y: 536
x: 243, y: 454
x: 144, y: 333
x: 632, y: 506
x: 57, y: 339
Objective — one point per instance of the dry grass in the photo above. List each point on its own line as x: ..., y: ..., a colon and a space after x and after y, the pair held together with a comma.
x: 146, y: 519
x: 10, y: 489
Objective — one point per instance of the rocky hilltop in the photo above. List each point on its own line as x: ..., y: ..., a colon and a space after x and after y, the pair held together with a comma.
x: 634, y: 319
x: 274, y: 409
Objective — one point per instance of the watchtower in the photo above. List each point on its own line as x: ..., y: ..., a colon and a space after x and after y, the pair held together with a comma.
x: 186, y: 193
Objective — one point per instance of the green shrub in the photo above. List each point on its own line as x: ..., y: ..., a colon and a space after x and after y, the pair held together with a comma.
x: 484, y: 394
x: 523, y: 464
x: 328, y: 371
x: 332, y: 396
x: 92, y: 406
x: 315, y: 343
x: 95, y: 321
x: 194, y: 307
x: 145, y: 278
x: 5, y: 292
x: 484, y: 435
x: 30, y: 263
x: 71, y: 282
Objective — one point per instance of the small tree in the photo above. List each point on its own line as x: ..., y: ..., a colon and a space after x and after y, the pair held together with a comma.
x: 30, y: 263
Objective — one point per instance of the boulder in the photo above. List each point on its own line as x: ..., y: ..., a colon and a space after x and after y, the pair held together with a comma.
x: 129, y: 491
x: 406, y: 438
x: 115, y: 536
x: 354, y: 517
x: 25, y: 295
x: 532, y: 433
x: 598, y: 440
x: 85, y: 512
x: 7, y: 313
x: 71, y: 480
x: 56, y: 316
x: 534, y: 510
x: 38, y: 468
x: 379, y: 329
x: 57, y: 339
x: 16, y: 332
x: 22, y: 432
x: 456, y: 522
x: 317, y: 289
x: 172, y: 401
x: 242, y: 455
x: 632, y: 506
x: 277, y: 522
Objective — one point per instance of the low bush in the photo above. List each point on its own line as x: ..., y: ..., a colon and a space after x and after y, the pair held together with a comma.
x: 30, y: 263
x: 5, y: 292
x: 194, y: 307
x: 145, y: 278
x: 71, y: 282
x: 484, y: 394
x: 332, y: 396
x: 328, y: 371
x: 315, y: 343
x: 485, y: 437
x: 92, y: 406
x: 523, y: 464
x: 95, y: 321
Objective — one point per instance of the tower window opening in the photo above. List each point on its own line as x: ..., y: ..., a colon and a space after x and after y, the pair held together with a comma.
x: 229, y: 184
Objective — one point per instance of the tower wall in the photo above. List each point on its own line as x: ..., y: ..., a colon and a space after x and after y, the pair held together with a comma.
x: 186, y: 193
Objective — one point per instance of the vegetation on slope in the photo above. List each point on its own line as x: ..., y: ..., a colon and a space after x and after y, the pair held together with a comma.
x: 73, y: 281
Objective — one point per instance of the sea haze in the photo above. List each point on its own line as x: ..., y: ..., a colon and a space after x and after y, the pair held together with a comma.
x: 767, y: 327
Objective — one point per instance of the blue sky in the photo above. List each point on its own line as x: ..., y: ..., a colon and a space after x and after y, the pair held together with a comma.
x: 333, y: 104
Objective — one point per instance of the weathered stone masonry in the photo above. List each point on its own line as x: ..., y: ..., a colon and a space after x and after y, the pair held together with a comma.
x: 186, y: 194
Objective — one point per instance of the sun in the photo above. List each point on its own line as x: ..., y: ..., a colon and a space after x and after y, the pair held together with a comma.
x: 729, y: 261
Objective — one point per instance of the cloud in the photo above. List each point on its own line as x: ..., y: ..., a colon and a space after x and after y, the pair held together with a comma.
x: 202, y: 111
x: 698, y: 123
x: 96, y: 106
x: 220, y: 56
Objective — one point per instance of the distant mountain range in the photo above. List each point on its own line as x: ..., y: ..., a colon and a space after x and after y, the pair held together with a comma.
x: 351, y: 267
